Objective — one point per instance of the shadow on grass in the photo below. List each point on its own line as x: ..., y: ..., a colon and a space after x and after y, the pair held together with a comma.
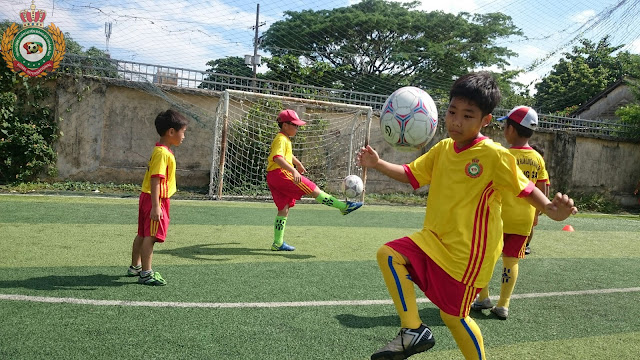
x: 70, y: 282
x: 222, y: 252
x: 429, y: 316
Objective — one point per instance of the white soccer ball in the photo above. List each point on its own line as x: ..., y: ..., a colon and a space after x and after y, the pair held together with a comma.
x: 409, y: 118
x: 352, y: 186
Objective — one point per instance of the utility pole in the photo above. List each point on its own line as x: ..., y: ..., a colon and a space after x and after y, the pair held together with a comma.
x: 254, y: 60
x: 255, y: 45
x: 107, y: 33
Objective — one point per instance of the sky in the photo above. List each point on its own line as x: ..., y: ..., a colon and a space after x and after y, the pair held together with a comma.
x: 188, y: 33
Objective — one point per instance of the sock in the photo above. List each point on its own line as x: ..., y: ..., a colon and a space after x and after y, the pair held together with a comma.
x: 395, y: 274
x: 484, y: 293
x: 509, y: 277
x: 329, y: 200
x: 278, y: 230
x: 467, y: 335
x: 146, y: 273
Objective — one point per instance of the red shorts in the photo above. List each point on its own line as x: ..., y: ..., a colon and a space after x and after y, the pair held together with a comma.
x: 284, y: 191
x: 447, y: 293
x: 148, y: 227
x: 514, y: 245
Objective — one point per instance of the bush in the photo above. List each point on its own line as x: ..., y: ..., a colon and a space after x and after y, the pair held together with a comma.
x: 27, y: 129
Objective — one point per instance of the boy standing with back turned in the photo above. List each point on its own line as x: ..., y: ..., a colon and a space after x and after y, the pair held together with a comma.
x: 517, y: 214
x: 453, y: 256
x: 286, y: 182
x: 157, y: 187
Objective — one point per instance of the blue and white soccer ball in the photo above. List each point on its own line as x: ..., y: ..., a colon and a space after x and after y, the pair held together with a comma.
x: 409, y: 118
x: 352, y: 186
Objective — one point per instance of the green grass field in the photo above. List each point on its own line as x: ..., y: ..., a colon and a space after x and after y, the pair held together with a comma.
x: 63, y: 294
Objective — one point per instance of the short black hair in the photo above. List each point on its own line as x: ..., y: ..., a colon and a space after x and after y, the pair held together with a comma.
x: 480, y: 88
x: 538, y: 148
x: 170, y: 119
x: 522, y: 131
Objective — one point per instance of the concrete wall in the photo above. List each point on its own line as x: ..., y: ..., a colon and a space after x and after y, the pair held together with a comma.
x: 109, y: 134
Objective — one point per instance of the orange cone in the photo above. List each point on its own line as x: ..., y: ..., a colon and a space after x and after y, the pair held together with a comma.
x: 568, y: 228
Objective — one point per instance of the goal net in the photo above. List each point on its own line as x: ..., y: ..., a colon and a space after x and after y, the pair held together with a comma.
x: 245, y: 125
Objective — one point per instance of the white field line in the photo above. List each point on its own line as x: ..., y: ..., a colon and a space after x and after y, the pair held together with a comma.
x: 173, y: 304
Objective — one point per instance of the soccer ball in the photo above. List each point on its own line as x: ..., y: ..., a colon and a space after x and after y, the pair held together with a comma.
x: 409, y: 118
x: 352, y: 186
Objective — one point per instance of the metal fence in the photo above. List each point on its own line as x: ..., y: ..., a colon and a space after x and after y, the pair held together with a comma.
x: 196, y: 79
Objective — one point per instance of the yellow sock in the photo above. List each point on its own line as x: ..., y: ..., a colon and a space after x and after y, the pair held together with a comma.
x: 396, y: 276
x: 467, y: 335
x: 484, y: 293
x: 509, y: 278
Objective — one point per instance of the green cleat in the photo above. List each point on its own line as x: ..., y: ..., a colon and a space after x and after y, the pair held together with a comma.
x: 154, y: 279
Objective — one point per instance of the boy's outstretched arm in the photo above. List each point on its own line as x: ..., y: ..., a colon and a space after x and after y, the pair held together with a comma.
x: 367, y: 157
x: 560, y: 208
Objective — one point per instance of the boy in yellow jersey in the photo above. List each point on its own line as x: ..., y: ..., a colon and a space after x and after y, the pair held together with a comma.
x: 286, y: 182
x: 540, y: 150
x: 153, y: 206
x: 453, y: 256
x: 517, y: 214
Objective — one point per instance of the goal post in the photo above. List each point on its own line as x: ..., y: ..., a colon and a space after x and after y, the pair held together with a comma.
x: 245, y: 125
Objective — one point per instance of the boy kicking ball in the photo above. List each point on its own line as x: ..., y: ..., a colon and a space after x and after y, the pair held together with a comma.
x: 452, y: 258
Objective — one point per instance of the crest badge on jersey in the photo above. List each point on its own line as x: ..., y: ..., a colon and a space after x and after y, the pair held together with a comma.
x: 33, y: 51
x: 473, y: 169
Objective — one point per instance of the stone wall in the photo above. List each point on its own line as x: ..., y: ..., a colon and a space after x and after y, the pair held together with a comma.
x: 108, y: 135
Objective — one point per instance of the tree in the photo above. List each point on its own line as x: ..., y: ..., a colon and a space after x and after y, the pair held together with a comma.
x: 27, y: 125
x: 582, y: 74
x: 379, y: 45
x: 232, y: 65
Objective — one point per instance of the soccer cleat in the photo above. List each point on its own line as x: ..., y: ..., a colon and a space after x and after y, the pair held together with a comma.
x: 501, y: 312
x: 351, y: 207
x: 481, y: 305
x: 154, y: 279
x: 527, y: 250
x: 134, y: 271
x: 407, y: 343
x: 283, y: 247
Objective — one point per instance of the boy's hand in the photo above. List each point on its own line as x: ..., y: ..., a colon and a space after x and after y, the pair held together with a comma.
x: 296, y: 176
x: 635, y: 192
x: 367, y: 157
x: 156, y: 213
x: 301, y: 169
x: 560, y: 208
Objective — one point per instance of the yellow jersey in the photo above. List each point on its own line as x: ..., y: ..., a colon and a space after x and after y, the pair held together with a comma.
x: 281, y: 146
x: 462, y: 229
x: 518, y: 214
x: 162, y: 165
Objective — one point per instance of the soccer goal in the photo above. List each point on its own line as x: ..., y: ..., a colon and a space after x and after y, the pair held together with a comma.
x: 245, y: 125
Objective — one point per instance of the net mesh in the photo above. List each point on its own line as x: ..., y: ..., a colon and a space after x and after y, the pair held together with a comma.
x: 326, y: 146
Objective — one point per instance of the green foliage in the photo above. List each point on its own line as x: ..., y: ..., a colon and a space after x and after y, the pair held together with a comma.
x: 250, y: 139
x: 233, y: 65
x: 597, y: 202
x: 28, y: 129
x: 585, y: 72
x: 377, y: 46
x: 630, y: 115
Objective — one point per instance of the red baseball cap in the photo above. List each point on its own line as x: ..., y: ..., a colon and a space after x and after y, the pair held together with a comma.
x: 290, y: 116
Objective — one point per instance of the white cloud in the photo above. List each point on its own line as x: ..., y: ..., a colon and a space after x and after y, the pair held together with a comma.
x: 583, y: 17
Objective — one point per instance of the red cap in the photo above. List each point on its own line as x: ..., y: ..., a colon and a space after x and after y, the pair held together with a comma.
x: 290, y: 116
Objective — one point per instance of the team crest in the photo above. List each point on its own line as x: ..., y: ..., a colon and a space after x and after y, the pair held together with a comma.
x: 33, y: 50
x: 474, y: 168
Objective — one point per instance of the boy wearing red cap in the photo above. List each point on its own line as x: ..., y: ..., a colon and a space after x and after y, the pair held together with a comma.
x: 286, y: 182
x: 518, y: 216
